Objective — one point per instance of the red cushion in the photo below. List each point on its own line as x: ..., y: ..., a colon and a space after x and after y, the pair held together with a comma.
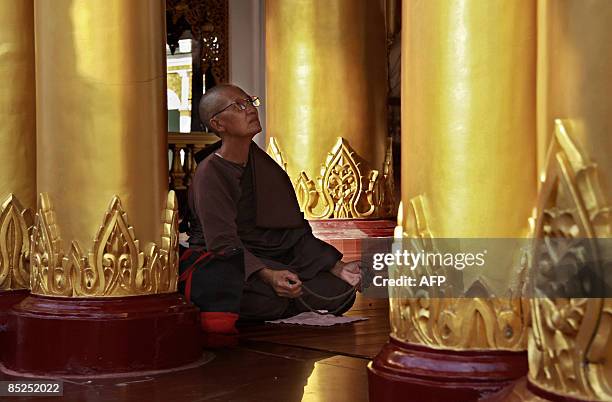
x: 219, y: 322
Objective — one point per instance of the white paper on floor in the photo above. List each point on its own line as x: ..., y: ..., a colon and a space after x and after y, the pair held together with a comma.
x: 318, y: 320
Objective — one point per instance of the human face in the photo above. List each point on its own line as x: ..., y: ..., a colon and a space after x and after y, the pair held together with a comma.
x: 239, y: 116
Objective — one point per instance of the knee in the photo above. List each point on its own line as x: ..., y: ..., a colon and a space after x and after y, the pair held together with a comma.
x: 262, y: 308
x: 343, y: 305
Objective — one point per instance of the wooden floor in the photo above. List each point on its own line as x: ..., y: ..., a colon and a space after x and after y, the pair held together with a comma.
x: 269, y: 363
x: 361, y: 339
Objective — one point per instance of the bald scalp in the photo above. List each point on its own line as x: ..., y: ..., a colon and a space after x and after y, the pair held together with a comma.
x: 214, y: 100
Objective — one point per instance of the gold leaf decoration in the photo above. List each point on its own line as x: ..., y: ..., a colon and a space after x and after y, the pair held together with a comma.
x: 570, y: 345
x: 274, y: 151
x: 15, y: 228
x: 114, y: 267
x: 345, y: 188
x: 427, y: 317
x: 167, y: 275
x: 50, y: 271
x: 306, y: 191
x: 387, y: 201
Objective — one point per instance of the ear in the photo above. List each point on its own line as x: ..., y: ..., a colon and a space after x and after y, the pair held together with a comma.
x: 216, y: 125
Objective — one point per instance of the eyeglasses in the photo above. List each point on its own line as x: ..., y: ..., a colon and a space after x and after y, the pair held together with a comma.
x: 241, y: 105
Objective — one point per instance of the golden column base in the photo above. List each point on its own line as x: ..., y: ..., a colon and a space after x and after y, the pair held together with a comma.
x: 570, y: 345
x: 113, y: 293
x: 346, y: 187
x: 15, y: 228
x: 480, y: 321
x: 115, y: 266
x: 16, y: 224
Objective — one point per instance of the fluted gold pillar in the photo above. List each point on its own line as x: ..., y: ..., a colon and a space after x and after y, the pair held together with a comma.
x: 326, y: 78
x: 571, y: 354
x: 17, y: 139
x: 469, y: 154
x: 101, y: 115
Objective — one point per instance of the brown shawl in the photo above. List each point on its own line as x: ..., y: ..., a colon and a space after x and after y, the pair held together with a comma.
x: 276, y: 203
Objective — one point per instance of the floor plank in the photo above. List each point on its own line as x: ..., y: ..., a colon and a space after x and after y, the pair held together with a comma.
x: 271, y: 363
x: 235, y: 374
x: 361, y: 339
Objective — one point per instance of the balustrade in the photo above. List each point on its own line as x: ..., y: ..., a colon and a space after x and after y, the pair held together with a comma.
x: 181, y: 163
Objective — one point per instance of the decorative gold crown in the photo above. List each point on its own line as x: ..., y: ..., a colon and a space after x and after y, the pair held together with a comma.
x: 468, y: 323
x: 115, y: 266
x: 346, y: 188
x: 571, y: 338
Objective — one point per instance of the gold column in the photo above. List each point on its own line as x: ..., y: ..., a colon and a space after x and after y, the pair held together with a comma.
x: 326, y: 78
x: 575, y: 81
x: 570, y: 346
x: 17, y: 139
x: 469, y: 155
x: 101, y: 96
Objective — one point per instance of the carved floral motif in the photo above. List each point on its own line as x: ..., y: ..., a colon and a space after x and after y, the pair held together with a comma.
x: 15, y: 228
x: 115, y: 266
x: 345, y: 188
x: 571, y: 340
x: 427, y: 317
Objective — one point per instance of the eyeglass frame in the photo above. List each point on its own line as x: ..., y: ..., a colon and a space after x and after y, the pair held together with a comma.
x: 241, y: 106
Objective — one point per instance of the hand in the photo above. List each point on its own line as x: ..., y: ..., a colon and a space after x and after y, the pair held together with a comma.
x: 350, y: 272
x: 285, y: 283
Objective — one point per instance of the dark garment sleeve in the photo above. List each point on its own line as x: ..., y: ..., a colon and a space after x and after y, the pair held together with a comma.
x: 216, y: 195
x: 313, y: 255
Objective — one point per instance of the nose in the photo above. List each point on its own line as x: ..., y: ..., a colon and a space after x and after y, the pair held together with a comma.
x: 250, y: 110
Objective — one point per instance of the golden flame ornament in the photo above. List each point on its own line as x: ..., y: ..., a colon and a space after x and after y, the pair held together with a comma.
x: 114, y: 267
x: 15, y: 229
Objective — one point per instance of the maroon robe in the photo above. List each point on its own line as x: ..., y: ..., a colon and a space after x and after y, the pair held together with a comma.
x: 254, y: 207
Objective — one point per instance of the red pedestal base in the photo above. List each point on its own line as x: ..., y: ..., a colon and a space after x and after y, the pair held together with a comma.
x: 406, y: 372
x: 7, y: 300
x: 57, y: 337
x: 346, y: 234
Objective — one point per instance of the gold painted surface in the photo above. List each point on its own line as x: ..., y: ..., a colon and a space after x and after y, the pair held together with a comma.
x: 273, y: 149
x: 17, y: 102
x: 101, y: 111
x: 16, y: 225
x: 426, y: 317
x: 468, y: 160
x: 518, y: 393
x: 570, y: 346
x: 114, y: 266
x: 468, y: 114
x: 575, y: 80
x: 325, y: 77
x: 345, y: 186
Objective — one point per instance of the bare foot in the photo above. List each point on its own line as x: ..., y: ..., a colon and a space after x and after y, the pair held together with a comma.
x: 349, y: 272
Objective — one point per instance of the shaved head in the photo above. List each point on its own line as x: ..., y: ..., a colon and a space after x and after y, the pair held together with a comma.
x: 215, y: 99
x: 216, y: 111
